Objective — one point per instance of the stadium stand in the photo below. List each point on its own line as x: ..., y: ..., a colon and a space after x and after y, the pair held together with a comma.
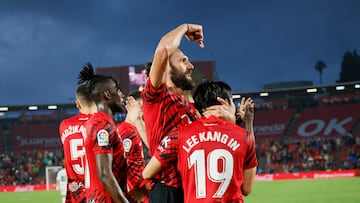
x: 40, y: 136
x: 296, y: 131
x: 272, y: 124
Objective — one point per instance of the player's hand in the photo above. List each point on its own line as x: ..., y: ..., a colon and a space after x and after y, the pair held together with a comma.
x: 133, y: 108
x: 195, y: 33
x: 223, y: 111
x: 138, y: 195
x: 245, y: 110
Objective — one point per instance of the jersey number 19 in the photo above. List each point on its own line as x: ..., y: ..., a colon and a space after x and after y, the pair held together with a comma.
x: 209, y: 167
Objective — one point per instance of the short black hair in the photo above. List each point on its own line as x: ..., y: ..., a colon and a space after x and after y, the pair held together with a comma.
x: 207, y: 92
x: 82, y: 94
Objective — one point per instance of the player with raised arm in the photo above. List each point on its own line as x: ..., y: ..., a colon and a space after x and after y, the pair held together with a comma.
x: 216, y: 158
x: 165, y: 105
x: 168, y: 103
x: 71, y: 135
x: 129, y: 130
x: 105, y: 171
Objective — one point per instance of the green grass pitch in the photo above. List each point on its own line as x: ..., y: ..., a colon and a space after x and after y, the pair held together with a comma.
x: 338, y: 190
x: 51, y: 196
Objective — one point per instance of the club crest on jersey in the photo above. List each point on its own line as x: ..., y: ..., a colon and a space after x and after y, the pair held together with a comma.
x: 103, y: 138
x: 127, y: 144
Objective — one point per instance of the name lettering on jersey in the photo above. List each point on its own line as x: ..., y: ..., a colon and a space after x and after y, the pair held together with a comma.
x: 72, y: 129
x: 210, y: 136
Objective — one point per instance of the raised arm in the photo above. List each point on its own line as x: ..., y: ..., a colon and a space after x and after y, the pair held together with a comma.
x: 167, y: 45
x: 245, y: 112
x: 134, y: 116
x: 165, y: 154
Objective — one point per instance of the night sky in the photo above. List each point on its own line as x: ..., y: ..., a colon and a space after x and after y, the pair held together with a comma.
x: 44, y: 44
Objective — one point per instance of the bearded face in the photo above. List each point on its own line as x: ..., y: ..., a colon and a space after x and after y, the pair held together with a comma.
x: 182, y: 80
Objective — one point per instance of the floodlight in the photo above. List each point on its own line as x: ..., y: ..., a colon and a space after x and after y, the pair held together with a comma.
x: 340, y: 87
x: 4, y: 108
x: 311, y: 90
x: 52, y: 107
x: 33, y: 108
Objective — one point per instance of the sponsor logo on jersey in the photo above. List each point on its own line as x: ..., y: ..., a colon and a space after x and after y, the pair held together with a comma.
x: 74, y: 186
x: 164, y: 144
x: 103, y: 138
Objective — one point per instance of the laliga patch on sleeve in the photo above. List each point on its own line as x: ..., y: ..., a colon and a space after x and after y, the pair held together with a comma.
x: 103, y: 138
x: 127, y: 144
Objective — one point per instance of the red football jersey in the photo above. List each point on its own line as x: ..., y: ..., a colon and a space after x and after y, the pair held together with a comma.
x: 134, y: 154
x: 212, y: 154
x: 71, y: 135
x: 102, y: 138
x: 163, y: 111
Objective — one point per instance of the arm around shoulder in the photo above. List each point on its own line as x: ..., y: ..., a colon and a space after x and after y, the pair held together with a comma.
x: 152, y: 168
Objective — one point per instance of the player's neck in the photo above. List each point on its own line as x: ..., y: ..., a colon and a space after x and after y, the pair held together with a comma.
x: 89, y: 110
x: 176, y: 89
x: 102, y: 107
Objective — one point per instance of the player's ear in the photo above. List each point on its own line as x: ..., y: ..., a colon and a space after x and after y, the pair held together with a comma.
x: 107, y: 95
x: 78, y: 105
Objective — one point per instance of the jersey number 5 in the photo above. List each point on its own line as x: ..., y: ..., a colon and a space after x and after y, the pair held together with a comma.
x: 210, y: 166
x: 77, y: 153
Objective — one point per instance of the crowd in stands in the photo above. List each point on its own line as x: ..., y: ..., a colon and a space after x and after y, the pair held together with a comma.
x: 27, y: 167
x: 311, y: 154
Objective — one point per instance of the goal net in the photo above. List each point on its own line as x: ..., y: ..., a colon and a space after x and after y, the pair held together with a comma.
x: 50, y: 176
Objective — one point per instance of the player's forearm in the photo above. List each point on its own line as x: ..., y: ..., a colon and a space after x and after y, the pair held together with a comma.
x: 249, y: 126
x: 152, y: 168
x: 167, y: 45
x: 171, y: 41
x: 112, y: 187
x: 140, y: 126
x: 248, y: 182
x: 107, y: 178
x: 158, y: 67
